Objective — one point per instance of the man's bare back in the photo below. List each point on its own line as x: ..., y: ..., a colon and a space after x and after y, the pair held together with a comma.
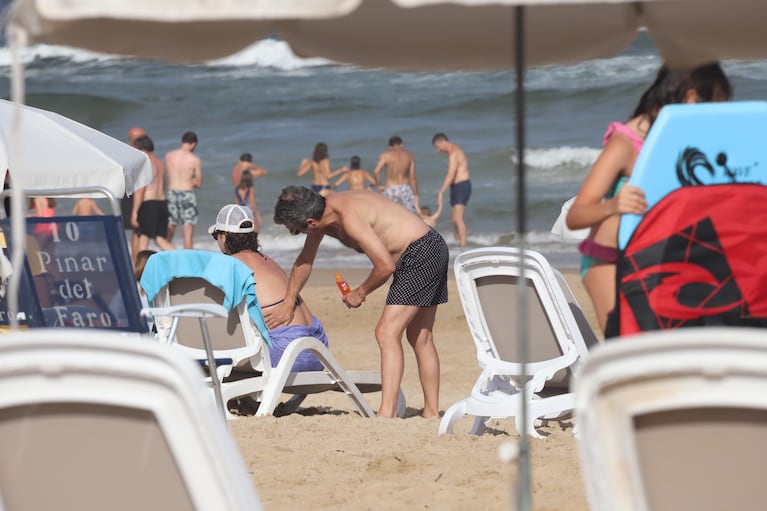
x: 156, y: 189
x: 400, y: 167
x: 361, y: 214
x: 183, y: 170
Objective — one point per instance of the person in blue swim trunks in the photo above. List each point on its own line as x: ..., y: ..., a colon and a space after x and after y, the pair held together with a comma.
x: 235, y: 233
x: 605, y: 195
x: 458, y: 180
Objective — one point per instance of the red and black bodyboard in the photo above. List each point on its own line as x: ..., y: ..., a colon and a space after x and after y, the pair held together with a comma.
x: 698, y: 257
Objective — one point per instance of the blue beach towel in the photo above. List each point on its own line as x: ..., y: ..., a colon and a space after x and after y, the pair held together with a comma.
x: 230, y: 275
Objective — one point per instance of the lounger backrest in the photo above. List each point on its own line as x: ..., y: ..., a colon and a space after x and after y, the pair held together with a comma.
x: 675, y: 419
x: 51, y: 449
x: 92, y: 420
x: 488, y: 281
x: 680, y: 451
x: 499, y: 299
x: 589, y: 336
x: 226, y: 333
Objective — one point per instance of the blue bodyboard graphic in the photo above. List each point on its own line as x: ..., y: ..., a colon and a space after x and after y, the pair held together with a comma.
x: 688, y: 145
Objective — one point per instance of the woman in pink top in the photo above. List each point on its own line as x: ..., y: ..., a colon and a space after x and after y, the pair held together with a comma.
x: 603, y: 196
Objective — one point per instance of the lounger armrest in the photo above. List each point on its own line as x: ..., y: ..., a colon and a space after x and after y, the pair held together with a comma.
x: 188, y: 310
x: 540, y: 372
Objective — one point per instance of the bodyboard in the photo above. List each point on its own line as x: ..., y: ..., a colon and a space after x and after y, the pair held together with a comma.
x: 701, y: 144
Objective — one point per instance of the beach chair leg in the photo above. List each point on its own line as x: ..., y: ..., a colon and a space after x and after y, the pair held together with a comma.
x: 455, y: 412
x: 289, y: 406
x: 480, y: 425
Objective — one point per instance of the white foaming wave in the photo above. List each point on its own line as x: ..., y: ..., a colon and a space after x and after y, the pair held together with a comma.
x: 269, y: 53
x: 556, y: 157
x: 590, y: 73
x: 49, y: 51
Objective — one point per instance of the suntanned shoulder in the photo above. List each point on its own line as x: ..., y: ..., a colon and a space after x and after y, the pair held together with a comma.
x: 393, y: 223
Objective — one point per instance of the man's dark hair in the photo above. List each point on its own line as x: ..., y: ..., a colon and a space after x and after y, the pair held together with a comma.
x: 296, y: 204
x: 190, y: 137
x: 355, y: 163
x: 238, y: 241
x: 144, y: 143
x: 438, y: 137
x: 246, y: 157
x: 395, y: 140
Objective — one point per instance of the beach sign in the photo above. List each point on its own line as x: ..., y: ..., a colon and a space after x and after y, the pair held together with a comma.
x: 78, y: 273
x: 700, y: 144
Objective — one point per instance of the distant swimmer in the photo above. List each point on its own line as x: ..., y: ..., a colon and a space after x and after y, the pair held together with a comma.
x: 401, y: 182
x: 458, y: 180
x: 86, y: 207
x: 320, y: 167
x: 357, y: 178
x: 246, y: 163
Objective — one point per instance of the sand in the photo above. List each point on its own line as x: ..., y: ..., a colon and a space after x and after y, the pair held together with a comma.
x: 327, y: 457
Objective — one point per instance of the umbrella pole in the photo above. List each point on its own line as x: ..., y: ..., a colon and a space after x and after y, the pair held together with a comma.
x: 523, y: 496
x: 17, y: 39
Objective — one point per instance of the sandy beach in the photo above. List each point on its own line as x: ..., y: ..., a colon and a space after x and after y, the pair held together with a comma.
x: 328, y: 457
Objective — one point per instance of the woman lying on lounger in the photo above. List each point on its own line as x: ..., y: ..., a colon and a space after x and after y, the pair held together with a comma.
x: 234, y: 231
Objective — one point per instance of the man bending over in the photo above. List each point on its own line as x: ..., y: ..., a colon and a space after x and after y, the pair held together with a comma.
x: 397, y: 242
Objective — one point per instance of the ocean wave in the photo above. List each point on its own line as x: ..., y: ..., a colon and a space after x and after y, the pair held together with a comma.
x: 38, y: 52
x: 558, y: 157
x: 269, y: 53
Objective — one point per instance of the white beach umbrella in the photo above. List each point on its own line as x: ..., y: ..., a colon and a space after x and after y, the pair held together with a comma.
x: 405, y: 34
x: 56, y: 152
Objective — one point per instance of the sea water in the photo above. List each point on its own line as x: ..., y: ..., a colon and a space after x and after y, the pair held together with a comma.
x: 277, y: 106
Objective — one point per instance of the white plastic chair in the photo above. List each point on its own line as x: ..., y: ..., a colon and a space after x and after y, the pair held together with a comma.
x: 675, y: 419
x: 488, y: 281
x: 94, y: 420
x: 241, y: 352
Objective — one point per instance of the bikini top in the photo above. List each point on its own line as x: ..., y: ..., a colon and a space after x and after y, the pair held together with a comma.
x: 298, y: 303
x: 622, y: 128
x: 619, y: 127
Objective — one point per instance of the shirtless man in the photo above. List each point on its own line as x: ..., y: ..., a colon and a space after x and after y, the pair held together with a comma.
x: 246, y: 163
x: 401, y: 183
x: 358, y: 179
x: 458, y: 180
x: 184, y: 176
x: 150, y: 206
x: 126, y: 203
x: 397, y: 242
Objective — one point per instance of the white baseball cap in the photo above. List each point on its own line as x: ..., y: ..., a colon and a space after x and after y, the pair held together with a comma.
x: 231, y: 219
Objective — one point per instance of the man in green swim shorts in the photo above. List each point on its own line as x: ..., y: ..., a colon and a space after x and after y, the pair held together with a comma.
x: 184, y: 176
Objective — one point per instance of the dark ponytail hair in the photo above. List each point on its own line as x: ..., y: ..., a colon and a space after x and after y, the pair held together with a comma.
x: 671, y: 86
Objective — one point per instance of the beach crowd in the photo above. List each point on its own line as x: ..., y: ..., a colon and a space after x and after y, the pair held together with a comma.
x: 378, y: 216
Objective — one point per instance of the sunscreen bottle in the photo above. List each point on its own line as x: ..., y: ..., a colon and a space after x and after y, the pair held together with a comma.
x: 343, y: 286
